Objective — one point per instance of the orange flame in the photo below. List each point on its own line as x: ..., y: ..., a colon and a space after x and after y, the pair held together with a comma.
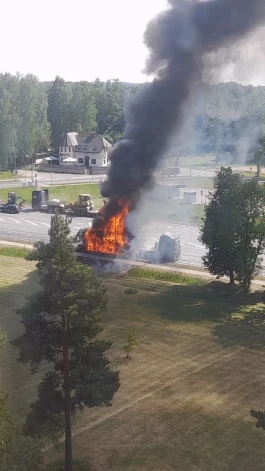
x: 111, y: 236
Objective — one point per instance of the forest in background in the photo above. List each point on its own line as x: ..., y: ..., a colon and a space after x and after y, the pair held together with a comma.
x: 225, y: 120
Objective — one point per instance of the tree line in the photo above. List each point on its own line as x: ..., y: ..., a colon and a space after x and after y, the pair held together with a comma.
x: 226, y: 120
x: 34, y: 116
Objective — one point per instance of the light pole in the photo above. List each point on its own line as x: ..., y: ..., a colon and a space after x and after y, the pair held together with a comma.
x: 25, y: 161
x: 15, y: 158
x: 32, y: 170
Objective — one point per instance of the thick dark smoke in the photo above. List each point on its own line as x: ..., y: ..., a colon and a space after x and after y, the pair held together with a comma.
x: 181, y: 42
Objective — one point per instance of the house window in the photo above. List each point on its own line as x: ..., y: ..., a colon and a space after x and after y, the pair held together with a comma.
x: 94, y: 161
x: 80, y: 160
x: 65, y: 149
x: 69, y: 149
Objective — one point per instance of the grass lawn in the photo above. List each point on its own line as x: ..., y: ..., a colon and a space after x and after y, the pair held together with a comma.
x: 64, y: 192
x: 17, y: 252
x: 195, y: 182
x: 202, y: 161
x: 185, y: 394
x: 179, y: 212
x: 7, y: 176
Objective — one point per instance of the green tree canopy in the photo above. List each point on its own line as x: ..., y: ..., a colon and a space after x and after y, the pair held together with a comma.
x: 62, y: 324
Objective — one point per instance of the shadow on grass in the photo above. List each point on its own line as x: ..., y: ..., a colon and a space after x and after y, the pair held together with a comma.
x: 244, y: 328
x: 189, y: 440
x: 212, y: 302
x: 15, y: 376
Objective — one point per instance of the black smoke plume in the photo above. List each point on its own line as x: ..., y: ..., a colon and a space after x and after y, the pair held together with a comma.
x: 181, y: 41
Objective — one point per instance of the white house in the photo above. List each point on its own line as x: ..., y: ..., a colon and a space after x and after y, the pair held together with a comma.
x: 89, y: 151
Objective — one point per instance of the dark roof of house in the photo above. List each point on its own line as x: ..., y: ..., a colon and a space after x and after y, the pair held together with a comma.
x: 93, y: 143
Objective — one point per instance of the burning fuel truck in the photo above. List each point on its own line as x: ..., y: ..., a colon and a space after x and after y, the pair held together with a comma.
x: 166, y: 250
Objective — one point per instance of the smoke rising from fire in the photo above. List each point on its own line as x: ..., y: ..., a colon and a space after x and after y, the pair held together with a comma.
x: 182, y: 42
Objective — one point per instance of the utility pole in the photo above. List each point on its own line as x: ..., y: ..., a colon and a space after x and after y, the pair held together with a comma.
x: 205, y: 189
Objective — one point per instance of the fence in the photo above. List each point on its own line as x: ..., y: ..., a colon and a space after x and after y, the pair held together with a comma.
x: 61, y: 169
x: 49, y: 168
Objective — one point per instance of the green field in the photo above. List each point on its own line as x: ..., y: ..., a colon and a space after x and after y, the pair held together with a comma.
x: 17, y: 252
x: 196, y: 182
x: 200, y: 161
x: 186, y: 393
x: 64, y: 192
x: 7, y: 176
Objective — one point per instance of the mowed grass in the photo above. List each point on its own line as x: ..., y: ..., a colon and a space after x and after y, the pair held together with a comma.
x: 7, y: 176
x: 16, y: 252
x: 64, y: 192
x: 206, y: 160
x: 172, y: 276
x: 185, y: 394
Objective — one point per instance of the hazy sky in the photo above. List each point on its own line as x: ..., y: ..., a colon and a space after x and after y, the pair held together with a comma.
x: 76, y: 39
x: 86, y: 39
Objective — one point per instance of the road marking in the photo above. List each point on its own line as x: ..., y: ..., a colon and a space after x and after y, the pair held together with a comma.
x: 195, y: 245
x: 11, y: 219
x: 33, y: 223
x: 76, y: 227
x: 1, y: 219
x: 44, y: 223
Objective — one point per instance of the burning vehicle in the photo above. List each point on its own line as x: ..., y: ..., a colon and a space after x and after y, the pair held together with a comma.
x: 114, y: 239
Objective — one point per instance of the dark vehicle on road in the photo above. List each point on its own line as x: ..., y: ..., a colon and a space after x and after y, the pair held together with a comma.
x: 10, y: 208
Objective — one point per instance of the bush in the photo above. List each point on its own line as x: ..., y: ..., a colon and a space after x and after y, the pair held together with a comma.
x: 130, y: 291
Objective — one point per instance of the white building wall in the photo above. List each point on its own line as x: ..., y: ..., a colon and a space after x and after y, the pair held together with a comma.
x: 64, y: 152
x: 95, y: 159
x: 99, y: 159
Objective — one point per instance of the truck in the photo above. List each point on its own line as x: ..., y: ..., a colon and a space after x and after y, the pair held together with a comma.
x: 166, y: 250
x: 13, y: 205
x: 82, y: 207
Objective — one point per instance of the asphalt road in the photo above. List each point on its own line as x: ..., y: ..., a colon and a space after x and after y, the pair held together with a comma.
x: 47, y: 179
x: 30, y: 226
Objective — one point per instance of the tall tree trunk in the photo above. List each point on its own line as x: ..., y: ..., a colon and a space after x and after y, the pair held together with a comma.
x: 231, y: 276
x: 258, y: 169
x: 67, y: 398
x: 68, y: 433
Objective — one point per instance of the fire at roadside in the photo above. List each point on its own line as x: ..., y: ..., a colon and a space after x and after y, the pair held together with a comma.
x: 113, y: 241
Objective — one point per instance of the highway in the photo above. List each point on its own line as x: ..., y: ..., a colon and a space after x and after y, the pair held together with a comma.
x: 30, y: 226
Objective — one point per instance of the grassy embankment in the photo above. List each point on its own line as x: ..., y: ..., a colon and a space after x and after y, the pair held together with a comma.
x: 15, y: 252
x: 8, y: 176
x: 186, y: 393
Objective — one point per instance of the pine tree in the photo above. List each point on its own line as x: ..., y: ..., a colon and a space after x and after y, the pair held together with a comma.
x: 131, y: 344
x: 62, y: 322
